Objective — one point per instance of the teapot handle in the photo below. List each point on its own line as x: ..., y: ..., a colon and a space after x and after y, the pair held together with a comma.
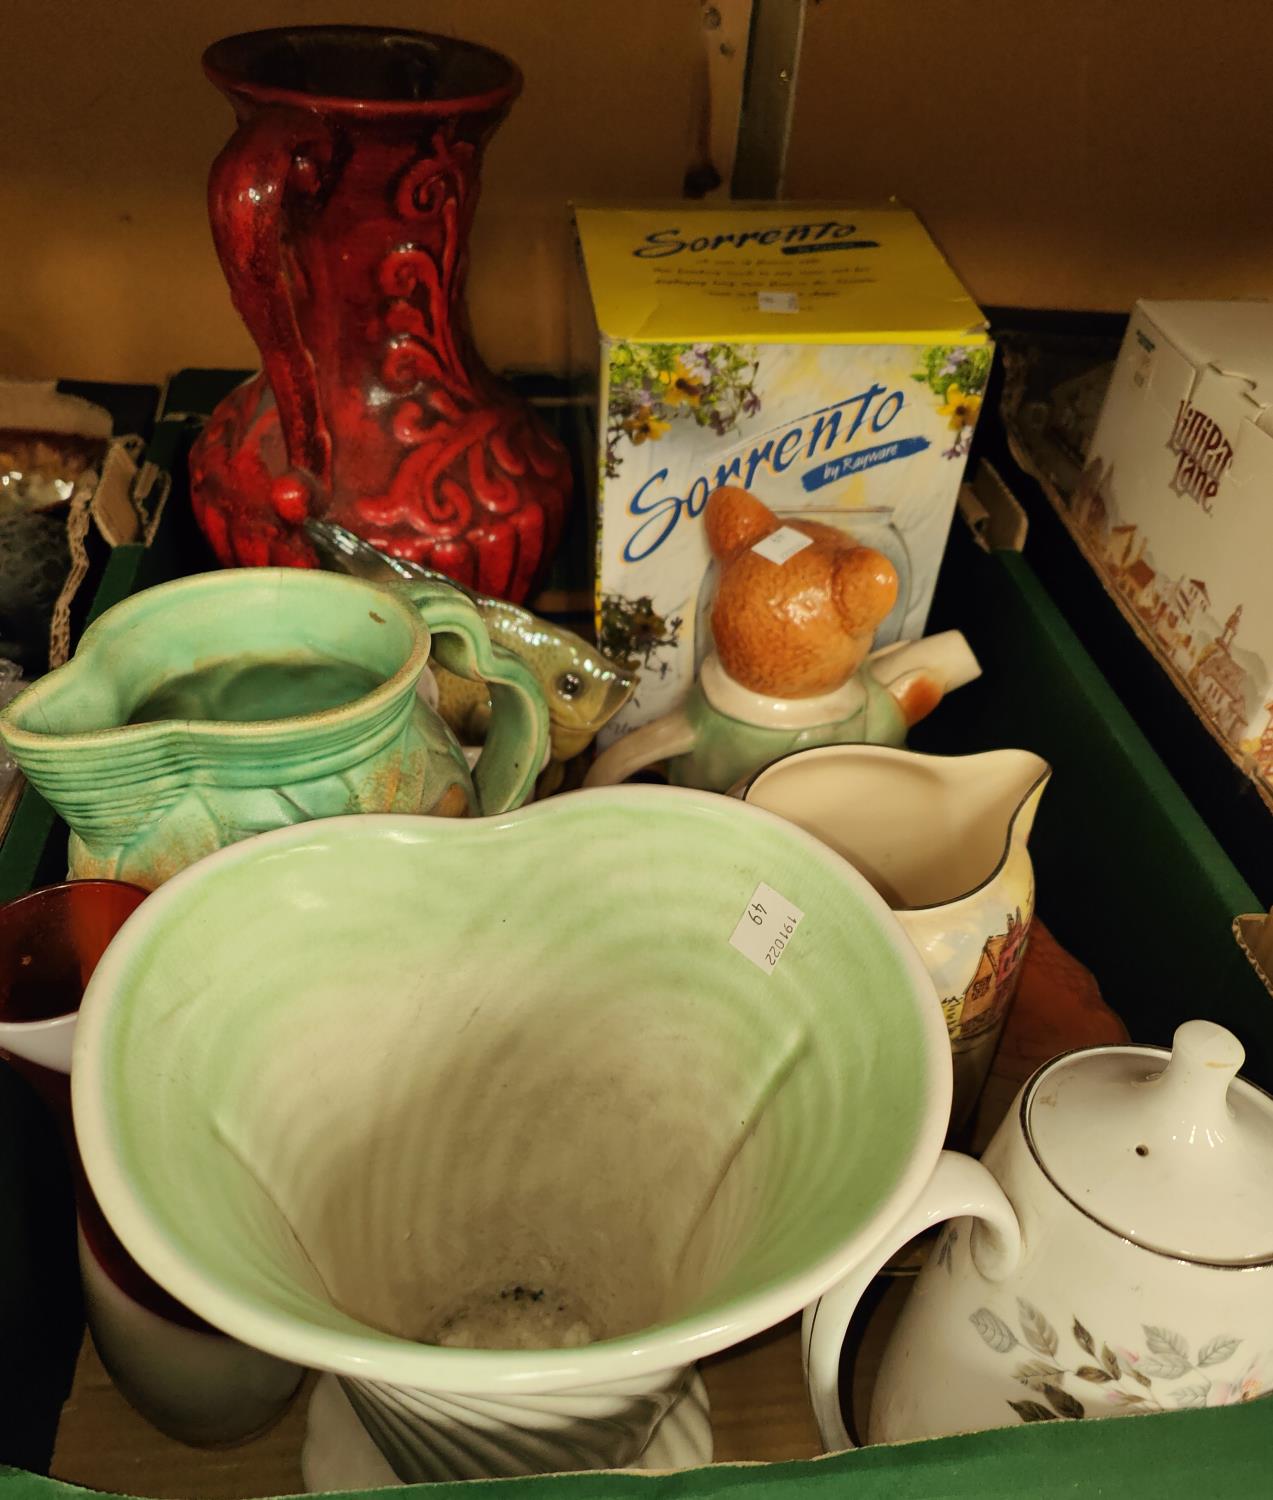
x: 959, y: 1187
x: 272, y: 155
x: 661, y: 739
x: 517, y: 743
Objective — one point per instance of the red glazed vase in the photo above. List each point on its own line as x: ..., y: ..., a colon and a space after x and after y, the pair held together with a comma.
x: 341, y: 211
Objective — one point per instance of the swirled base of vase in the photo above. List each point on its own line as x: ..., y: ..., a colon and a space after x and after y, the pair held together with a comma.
x: 683, y: 1439
x: 339, y: 1453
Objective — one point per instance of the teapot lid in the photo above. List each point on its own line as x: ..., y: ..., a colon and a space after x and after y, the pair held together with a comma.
x: 1170, y: 1150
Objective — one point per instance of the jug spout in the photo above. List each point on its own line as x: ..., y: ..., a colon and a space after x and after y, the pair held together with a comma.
x: 926, y: 830
x: 1025, y: 778
x: 48, y: 1044
x: 997, y: 795
x: 51, y: 940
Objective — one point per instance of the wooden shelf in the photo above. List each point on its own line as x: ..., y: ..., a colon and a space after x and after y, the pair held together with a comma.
x: 759, y: 1413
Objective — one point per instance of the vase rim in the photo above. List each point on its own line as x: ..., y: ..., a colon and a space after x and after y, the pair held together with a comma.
x: 723, y: 1314
x: 237, y: 65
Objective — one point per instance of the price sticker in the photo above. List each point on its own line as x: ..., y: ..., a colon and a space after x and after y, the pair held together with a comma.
x: 766, y: 928
x: 779, y: 545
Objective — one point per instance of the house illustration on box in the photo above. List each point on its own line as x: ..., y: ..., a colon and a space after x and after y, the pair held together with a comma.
x: 1131, y: 570
x: 1175, y: 624
x: 1220, y: 682
x: 1121, y: 551
x: 1264, y: 751
x: 1138, y: 584
x: 1088, y: 504
x: 1178, y: 612
x: 1096, y: 519
x: 1180, y: 606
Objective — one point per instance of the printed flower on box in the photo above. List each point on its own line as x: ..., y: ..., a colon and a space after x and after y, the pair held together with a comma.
x: 960, y: 409
x: 643, y: 425
x: 633, y: 633
x: 957, y: 377
x: 654, y: 385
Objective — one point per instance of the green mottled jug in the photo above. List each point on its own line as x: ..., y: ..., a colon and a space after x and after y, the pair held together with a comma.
x: 207, y: 710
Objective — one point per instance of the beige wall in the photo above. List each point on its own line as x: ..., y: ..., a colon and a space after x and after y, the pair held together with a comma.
x: 109, y: 127
x: 1076, y: 154
x: 1066, y: 153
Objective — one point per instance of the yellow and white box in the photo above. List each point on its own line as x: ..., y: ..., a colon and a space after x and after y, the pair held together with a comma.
x: 1175, y: 505
x: 825, y: 358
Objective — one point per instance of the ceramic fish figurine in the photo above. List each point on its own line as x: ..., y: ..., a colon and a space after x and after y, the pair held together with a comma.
x: 343, y: 552
x: 584, y: 689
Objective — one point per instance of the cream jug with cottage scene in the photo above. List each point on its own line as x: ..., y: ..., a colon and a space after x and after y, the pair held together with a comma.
x: 944, y: 839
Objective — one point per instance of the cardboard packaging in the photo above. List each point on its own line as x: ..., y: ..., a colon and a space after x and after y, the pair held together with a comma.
x: 62, y: 474
x: 1147, y: 863
x: 825, y: 357
x: 1175, y: 506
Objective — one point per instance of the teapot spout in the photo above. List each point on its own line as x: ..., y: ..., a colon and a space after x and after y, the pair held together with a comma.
x: 919, y: 674
x: 48, y: 1044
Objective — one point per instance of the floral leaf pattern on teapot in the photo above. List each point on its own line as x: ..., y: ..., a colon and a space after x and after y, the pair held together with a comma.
x: 1215, y: 1350
x: 1122, y: 1380
x: 1039, y: 1333
x: 994, y: 1330
x: 1170, y: 1351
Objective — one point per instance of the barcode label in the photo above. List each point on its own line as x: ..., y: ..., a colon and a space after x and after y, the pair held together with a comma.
x: 765, y: 929
x: 779, y: 545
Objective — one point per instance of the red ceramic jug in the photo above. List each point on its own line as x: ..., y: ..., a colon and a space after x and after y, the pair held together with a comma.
x: 341, y: 211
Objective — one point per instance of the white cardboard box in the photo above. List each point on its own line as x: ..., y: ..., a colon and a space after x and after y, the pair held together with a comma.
x: 1176, y: 505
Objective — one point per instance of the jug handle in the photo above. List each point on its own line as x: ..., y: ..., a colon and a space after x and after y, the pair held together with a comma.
x: 959, y: 1187
x: 516, y: 744
x: 271, y: 155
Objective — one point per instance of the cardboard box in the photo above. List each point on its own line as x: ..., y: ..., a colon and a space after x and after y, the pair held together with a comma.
x: 1174, y: 506
x: 1120, y: 855
x: 826, y: 358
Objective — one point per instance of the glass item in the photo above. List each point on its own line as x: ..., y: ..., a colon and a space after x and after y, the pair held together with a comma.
x: 50, y: 943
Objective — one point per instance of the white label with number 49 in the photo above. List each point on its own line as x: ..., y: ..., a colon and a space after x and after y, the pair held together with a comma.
x: 766, y: 928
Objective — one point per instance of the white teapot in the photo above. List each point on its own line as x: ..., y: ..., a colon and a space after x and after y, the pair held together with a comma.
x: 1112, y: 1257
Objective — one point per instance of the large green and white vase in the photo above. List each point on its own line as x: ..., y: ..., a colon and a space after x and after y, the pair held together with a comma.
x: 505, y: 1123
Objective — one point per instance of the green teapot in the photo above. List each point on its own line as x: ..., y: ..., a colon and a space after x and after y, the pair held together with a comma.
x: 204, y: 711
